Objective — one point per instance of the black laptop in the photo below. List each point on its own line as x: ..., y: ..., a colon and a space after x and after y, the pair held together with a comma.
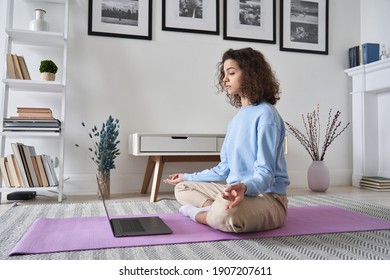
x: 135, y: 226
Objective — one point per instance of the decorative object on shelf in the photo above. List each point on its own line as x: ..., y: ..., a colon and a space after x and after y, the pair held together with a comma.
x: 39, y: 23
x: 48, y: 70
x: 318, y: 173
x: 104, y: 152
x: 383, y: 53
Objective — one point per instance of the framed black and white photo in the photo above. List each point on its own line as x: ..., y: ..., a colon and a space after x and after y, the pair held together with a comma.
x: 251, y: 21
x: 304, y: 26
x: 194, y: 16
x: 120, y: 18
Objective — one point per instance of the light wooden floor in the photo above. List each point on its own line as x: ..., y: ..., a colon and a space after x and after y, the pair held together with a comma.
x: 359, y: 194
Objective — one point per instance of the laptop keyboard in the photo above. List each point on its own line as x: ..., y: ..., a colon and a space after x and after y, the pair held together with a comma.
x: 131, y: 225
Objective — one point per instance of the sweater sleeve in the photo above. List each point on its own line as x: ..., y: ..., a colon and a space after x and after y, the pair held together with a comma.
x: 218, y: 173
x: 264, y: 165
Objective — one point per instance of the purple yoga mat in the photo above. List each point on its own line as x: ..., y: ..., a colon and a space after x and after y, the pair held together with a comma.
x: 88, y: 233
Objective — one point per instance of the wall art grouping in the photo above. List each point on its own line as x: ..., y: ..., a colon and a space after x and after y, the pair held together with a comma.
x: 303, y: 24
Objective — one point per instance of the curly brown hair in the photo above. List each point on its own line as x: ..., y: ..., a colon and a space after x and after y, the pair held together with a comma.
x: 259, y: 82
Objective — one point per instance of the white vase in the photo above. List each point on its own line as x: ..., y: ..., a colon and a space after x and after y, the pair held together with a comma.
x: 39, y: 23
x: 318, y: 176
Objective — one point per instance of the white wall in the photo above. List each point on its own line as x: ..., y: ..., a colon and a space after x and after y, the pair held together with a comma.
x: 168, y: 85
x: 375, y: 22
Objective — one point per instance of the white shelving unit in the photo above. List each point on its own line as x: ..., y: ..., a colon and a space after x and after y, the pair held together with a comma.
x: 36, y: 46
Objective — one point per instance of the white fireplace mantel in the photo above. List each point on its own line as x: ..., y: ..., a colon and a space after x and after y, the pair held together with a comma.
x: 371, y: 129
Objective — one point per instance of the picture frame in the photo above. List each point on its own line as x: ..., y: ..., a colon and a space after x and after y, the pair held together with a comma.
x: 250, y: 22
x: 196, y: 16
x: 304, y: 26
x: 124, y: 19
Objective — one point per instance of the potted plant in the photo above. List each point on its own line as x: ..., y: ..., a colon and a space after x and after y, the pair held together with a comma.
x: 318, y: 172
x: 104, y: 151
x: 48, y: 70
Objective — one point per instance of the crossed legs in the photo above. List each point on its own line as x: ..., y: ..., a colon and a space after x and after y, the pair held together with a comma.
x: 203, y: 203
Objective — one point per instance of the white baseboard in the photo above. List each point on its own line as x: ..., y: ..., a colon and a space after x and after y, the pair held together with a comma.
x: 132, y: 182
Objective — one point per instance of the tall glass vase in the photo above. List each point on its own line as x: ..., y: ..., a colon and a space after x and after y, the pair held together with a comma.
x: 103, y: 181
x: 318, y: 176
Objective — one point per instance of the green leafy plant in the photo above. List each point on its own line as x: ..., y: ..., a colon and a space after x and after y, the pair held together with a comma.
x: 48, y: 66
x: 104, y: 148
x: 310, y: 138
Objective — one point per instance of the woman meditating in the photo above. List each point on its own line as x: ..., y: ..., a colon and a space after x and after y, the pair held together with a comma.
x: 252, y: 158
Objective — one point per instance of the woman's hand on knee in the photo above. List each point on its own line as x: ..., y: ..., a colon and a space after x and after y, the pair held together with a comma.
x: 235, y: 194
x: 174, y: 179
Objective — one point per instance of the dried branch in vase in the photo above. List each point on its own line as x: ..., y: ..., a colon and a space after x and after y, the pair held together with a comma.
x: 104, y: 143
x: 310, y: 138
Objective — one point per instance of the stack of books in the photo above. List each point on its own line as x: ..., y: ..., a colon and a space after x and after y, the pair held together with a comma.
x: 375, y: 183
x: 24, y: 168
x: 34, y: 113
x: 32, y: 119
x: 17, y: 67
x: 363, y: 54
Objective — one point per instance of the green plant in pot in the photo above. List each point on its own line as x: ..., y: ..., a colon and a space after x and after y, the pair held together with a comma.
x: 48, y: 70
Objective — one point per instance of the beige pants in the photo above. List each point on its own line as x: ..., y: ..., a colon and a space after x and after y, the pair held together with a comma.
x: 264, y: 212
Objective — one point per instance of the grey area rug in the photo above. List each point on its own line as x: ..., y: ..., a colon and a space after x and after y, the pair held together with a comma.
x: 371, y: 245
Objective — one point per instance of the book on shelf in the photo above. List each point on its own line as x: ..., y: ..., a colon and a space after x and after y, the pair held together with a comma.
x: 32, y: 120
x: 17, y: 67
x: 370, y: 52
x: 31, y: 124
x: 23, y: 67
x: 20, y: 164
x: 11, y: 74
x: 33, y: 110
x: 28, y: 152
x: 34, y: 170
x: 8, y: 172
x: 354, y: 56
x: 14, y: 171
x: 50, y: 172
x: 38, y: 113
x: 4, y: 173
x: 41, y: 170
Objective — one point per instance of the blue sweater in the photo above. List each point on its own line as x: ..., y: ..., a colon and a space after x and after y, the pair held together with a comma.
x: 252, y: 152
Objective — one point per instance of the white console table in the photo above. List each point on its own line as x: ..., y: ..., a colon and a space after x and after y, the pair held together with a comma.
x: 162, y: 148
x: 371, y: 133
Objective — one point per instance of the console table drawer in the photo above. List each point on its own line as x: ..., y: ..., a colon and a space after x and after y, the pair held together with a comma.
x: 178, y: 144
x: 146, y: 144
